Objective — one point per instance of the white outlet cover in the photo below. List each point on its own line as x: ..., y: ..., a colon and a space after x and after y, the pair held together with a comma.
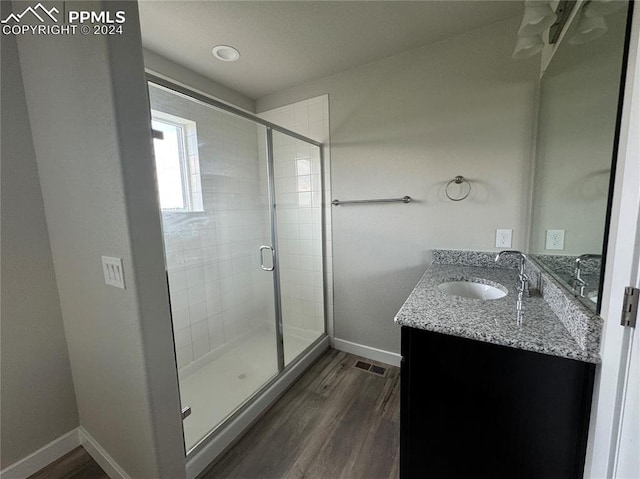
x: 503, y: 238
x: 113, y: 272
x: 555, y: 240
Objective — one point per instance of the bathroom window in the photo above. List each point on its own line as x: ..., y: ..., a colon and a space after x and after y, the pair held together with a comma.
x: 177, y: 164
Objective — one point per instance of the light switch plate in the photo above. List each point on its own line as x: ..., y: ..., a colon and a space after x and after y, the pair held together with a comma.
x: 503, y: 238
x: 113, y: 272
x: 555, y: 240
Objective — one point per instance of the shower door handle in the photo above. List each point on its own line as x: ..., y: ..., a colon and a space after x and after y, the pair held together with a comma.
x: 267, y: 268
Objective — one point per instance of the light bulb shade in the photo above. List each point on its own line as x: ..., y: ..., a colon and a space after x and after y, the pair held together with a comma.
x: 589, y: 29
x: 598, y: 8
x: 527, y: 47
x: 538, y: 16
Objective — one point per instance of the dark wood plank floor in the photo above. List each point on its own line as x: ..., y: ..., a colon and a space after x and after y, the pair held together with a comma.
x: 337, y: 421
x: 77, y: 464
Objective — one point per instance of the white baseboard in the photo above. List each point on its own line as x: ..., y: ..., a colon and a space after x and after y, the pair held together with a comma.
x: 42, y: 457
x: 368, y: 352
x: 104, y: 460
x: 58, y: 448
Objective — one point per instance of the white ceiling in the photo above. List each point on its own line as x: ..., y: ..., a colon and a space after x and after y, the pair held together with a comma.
x: 286, y: 43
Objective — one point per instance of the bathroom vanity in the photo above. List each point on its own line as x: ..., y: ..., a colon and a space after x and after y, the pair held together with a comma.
x: 483, y: 397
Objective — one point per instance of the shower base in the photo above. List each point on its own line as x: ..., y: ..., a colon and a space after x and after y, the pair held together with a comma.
x: 220, y: 386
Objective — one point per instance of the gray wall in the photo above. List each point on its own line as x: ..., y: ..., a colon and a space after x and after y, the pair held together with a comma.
x: 406, y: 125
x: 37, y: 398
x: 90, y: 122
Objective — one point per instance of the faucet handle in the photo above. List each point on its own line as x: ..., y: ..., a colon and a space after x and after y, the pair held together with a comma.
x: 511, y: 251
x: 524, y: 282
x: 523, y: 257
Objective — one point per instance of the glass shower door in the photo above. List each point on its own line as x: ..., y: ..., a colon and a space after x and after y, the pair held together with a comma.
x: 212, y: 179
x: 297, y: 171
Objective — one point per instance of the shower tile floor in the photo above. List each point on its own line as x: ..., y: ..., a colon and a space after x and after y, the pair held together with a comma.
x: 216, y: 389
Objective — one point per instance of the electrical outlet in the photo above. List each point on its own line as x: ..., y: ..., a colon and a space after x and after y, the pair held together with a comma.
x: 503, y: 238
x: 555, y: 240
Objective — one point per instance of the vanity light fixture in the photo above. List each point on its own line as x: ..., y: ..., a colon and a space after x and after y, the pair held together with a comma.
x: 527, y: 47
x: 599, y: 8
x: 225, y: 53
x: 591, y: 24
x: 589, y: 29
x: 538, y: 16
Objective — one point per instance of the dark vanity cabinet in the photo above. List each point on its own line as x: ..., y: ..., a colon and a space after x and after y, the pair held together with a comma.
x: 471, y: 409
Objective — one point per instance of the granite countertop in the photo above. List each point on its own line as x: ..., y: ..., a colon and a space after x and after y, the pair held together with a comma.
x: 492, y: 321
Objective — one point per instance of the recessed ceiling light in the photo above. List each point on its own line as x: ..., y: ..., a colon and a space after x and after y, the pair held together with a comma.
x: 225, y: 53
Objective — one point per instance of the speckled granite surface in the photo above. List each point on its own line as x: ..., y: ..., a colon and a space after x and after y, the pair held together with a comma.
x: 494, y: 321
x: 480, y: 259
x: 564, y: 264
x: 560, y: 268
x: 583, y: 324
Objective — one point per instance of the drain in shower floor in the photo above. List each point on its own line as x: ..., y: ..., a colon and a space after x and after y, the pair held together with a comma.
x: 372, y: 368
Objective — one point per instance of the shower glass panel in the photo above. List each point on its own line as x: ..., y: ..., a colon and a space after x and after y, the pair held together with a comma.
x: 211, y: 170
x: 298, y: 198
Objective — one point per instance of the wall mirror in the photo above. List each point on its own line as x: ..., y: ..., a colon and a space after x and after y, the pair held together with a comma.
x: 576, y: 144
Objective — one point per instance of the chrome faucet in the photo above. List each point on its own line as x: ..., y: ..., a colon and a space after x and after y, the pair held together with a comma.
x: 523, y: 289
x: 578, y: 282
x: 522, y: 277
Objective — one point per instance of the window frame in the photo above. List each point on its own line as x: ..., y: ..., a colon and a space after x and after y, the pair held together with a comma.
x: 184, y: 128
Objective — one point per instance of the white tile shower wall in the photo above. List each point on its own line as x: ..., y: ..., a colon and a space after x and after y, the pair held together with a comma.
x: 216, y: 294
x: 297, y: 178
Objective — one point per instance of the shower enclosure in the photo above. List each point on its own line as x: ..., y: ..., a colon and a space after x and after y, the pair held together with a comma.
x: 242, y: 213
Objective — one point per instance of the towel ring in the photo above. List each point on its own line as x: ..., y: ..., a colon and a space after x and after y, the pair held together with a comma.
x: 458, y: 180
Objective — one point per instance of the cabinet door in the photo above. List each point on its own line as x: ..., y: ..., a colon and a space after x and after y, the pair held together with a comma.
x: 474, y: 409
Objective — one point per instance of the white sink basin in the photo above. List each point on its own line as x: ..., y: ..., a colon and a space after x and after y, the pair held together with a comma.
x: 469, y: 289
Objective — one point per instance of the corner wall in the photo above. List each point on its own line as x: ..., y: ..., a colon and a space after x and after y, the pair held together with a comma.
x: 38, y: 404
x: 406, y: 125
x: 90, y: 121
